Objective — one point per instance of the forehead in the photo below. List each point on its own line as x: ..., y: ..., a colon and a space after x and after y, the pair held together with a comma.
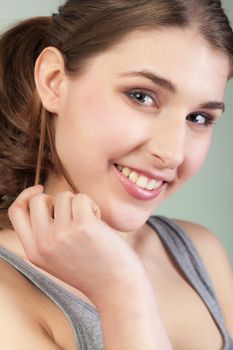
x: 179, y: 55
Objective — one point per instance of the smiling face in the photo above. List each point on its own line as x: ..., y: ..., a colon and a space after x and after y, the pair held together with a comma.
x: 144, y: 104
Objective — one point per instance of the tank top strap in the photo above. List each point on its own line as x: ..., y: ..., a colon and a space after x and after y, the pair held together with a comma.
x: 83, y: 317
x: 182, y: 249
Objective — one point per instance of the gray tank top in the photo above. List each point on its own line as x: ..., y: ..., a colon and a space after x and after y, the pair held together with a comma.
x: 85, y: 319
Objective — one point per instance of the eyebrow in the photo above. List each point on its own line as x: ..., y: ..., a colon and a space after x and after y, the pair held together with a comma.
x: 164, y: 83
x: 213, y: 105
x: 169, y: 86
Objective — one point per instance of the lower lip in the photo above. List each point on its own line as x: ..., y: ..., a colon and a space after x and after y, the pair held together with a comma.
x: 134, y: 190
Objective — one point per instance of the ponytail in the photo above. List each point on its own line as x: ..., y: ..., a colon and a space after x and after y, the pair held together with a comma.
x: 20, y: 109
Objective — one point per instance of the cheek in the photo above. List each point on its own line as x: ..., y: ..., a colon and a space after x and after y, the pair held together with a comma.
x: 87, y: 124
x: 99, y: 118
x: 195, y: 157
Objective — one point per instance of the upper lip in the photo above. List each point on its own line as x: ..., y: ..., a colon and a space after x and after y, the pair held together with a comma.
x: 151, y: 174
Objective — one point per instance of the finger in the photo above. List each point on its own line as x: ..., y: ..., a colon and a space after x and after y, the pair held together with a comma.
x: 63, y: 208
x: 24, y: 197
x: 19, y: 214
x: 83, y: 207
x: 41, y: 208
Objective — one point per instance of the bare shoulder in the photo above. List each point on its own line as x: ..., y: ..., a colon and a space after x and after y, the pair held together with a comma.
x: 217, y: 263
x: 28, y: 309
x: 20, y: 326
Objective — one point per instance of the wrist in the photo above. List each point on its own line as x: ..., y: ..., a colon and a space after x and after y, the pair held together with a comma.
x: 132, y: 290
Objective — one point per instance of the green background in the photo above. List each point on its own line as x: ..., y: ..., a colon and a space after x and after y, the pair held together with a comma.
x: 208, y: 197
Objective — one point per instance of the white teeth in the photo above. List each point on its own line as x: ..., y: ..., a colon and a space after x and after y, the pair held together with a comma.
x: 152, y: 185
x: 125, y: 171
x: 140, y: 180
x: 133, y: 176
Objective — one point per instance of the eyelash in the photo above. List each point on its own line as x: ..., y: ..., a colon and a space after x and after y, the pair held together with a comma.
x: 133, y: 92
x: 209, y: 120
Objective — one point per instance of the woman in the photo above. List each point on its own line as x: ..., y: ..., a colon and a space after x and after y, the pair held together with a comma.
x: 108, y: 108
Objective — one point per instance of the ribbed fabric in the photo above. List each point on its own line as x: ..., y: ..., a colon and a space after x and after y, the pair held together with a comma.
x: 84, y: 318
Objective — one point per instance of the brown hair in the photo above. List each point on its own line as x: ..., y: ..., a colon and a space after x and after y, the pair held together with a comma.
x: 80, y: 30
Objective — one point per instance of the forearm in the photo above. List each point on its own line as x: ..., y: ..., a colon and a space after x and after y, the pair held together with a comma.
x: 131, y: 321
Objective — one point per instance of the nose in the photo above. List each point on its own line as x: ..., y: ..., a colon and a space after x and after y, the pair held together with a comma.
x: 167, y: 144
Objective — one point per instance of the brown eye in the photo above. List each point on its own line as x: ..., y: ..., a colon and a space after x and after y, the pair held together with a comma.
x: 141, y: 97
x: 200, y: 119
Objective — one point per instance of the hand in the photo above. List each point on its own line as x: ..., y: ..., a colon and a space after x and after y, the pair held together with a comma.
x: 66, y: 237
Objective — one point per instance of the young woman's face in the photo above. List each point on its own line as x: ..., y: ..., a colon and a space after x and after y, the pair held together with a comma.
x: 145, y: 104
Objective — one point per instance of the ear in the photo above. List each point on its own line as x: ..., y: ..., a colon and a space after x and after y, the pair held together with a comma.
x: 49, y: 77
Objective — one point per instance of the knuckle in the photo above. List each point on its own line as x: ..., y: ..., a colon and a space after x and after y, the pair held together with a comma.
x: 82, y: 196
x: 65, y: 237
x: 62, y: 238
x: 62, y: 235
x: 44, y: 248
x: 37, y: 197
x: 65, y: 194
x: 84, y: 230
x: 10, y: 210
x: 13, y: 208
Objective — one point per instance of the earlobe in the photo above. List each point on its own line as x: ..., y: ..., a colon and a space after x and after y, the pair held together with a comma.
x: 49, y: 76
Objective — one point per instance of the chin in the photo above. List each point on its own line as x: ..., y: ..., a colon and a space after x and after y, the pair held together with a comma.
x: 126, y: 221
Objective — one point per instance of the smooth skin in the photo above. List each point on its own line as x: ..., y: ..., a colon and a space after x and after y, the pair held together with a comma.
x: 108, y: 116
